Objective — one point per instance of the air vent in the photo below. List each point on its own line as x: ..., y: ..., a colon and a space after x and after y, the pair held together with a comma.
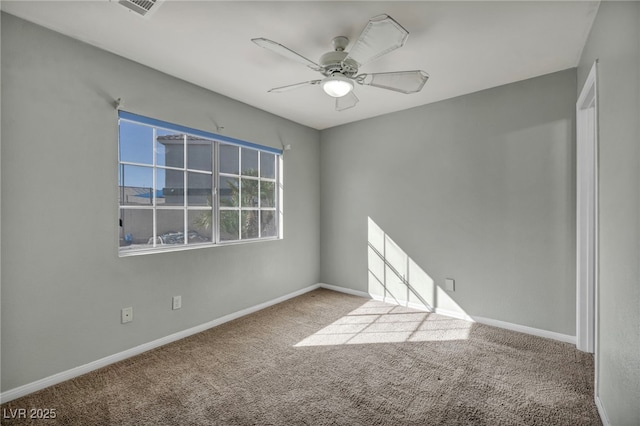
x: 141, y: 7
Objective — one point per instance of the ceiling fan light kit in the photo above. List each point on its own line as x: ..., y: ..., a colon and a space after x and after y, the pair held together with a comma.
x: 337, y: 85
x: 381, y: 35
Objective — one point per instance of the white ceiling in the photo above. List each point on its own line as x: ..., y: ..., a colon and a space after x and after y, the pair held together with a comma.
x: 464, y: 46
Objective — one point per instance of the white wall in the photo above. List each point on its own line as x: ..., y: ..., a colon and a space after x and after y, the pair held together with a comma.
x: 479, y: 188
x: 615, y: 41
x: 63, y: 284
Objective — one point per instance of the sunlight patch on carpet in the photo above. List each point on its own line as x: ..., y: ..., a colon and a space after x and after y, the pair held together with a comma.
x: 378, y: 322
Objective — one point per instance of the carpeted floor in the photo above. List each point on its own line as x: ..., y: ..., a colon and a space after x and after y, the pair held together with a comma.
x: 327, y: 358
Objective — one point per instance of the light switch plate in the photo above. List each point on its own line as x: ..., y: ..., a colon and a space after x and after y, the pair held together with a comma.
x: 176, y: 302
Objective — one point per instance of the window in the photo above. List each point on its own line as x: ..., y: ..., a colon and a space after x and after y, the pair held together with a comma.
x: 184, y: 188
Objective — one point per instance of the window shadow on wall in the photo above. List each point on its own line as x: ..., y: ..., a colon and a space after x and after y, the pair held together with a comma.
x: 395, y: 277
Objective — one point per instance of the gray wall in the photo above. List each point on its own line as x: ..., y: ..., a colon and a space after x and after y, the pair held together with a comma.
x: 478, y: 188
x: 615, y: 41
x: 63, y: 284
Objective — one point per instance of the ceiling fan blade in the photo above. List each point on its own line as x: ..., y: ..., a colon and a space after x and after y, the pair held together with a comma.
x: 294, y: 86
x: 347, y: 101
x: 381, y: 35
x: 399, y: 81
x: 286, y: 52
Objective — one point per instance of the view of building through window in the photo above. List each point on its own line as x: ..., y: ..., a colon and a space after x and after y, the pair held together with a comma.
x: 179, y: 187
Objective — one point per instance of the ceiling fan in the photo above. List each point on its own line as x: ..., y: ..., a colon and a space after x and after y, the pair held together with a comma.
x: 381, y: 35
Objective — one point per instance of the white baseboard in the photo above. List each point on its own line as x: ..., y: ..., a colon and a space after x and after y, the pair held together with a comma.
x: 460, y: 315
x: 23, y: 390
x: 601, y: 411
x: 418, y: 306
x: 527, y: 330
x: 455, y: 314
x: 345, y: 290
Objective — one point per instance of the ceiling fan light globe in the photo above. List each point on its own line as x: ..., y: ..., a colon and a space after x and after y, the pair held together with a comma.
x: 337, y: 86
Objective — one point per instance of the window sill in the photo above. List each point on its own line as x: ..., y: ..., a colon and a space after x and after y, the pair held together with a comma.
x: 174, y: 248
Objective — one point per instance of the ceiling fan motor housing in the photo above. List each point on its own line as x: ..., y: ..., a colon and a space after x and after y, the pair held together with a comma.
x: 333, y: 62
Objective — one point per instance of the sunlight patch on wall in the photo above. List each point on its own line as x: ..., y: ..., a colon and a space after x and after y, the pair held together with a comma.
x: 379, y: 322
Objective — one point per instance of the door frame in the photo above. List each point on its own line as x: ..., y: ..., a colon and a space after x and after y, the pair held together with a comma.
x: 587, y: 216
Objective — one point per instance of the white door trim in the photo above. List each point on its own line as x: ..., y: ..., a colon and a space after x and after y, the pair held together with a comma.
x: 587, y: 214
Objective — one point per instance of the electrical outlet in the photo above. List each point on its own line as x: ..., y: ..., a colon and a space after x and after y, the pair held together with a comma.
x: 127, y: 315
x: 450, y: 284
x: 177, y: 302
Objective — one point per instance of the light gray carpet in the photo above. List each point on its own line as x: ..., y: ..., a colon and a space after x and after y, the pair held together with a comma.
x: 326, y: 358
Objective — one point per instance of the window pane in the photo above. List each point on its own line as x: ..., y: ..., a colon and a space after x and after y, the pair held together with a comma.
x: 136, y: 228
x: 229, y: 225
x: 136, y: 185
x: 250, y: 193
x: 199, y: 189
x: 229, y: 160
x: 267, y: 165
x: 250, y: 224
x: 171, y: 186
x: 170, y: 149
x: 136, y: 143
x: 268, y: 224
x: 200, y: 230
x: 249, y: 162
x: 169, y: 227
x: 268, y: 194
x: 199, y: 154
x: 229, y: 191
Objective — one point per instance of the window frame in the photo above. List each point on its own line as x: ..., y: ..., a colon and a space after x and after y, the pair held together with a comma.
x: 216, y: 207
